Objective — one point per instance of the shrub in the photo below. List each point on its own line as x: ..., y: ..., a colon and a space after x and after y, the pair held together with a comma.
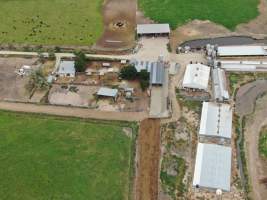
x: 129, y: 73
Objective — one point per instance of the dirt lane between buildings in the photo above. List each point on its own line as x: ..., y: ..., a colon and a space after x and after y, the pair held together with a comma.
x: 73, y: 112
x: 148, y: 155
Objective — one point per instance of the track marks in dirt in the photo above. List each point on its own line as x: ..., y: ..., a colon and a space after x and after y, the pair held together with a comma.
x: 148, y: 151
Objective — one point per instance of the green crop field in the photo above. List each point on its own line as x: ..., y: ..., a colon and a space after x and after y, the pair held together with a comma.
x: 44, y: 157
x: 177, y: 12
x: 50, y: 22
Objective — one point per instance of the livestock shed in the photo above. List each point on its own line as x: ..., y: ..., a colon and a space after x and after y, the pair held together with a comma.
x: 212, y: 167
x: 153, y: 29
x: 107, y: 92
x: 243, y: 66
x: 220, y: 91
x: 216, y: 120
x: 66, y: 69
x: 242, y: 50
x: 196, y: 76
x: 157, y: 73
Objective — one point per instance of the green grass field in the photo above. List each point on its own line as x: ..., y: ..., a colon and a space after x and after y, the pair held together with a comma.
x: 44, y: 157
x: 177, y: 12
x: 50, y: 22
x: 263, y: 142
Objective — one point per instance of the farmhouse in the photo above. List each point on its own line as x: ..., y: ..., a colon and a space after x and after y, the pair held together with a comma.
x: 66, y: 69
x: 220, y: 91
x: 153, y: 29
x: 242, y: 50
x: 212, y: 167
x: 216, y: 120
x: 107, y: 92
x: 196, y: 77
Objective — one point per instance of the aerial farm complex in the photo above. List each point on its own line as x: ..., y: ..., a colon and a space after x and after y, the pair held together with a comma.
x: 133, y: 100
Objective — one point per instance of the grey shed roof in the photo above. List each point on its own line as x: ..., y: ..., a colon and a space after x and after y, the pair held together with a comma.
x: 108, y: 92
x: 66, y: 67
x: 153, y: 28
x: 157, y: 73
x: 213, y: 167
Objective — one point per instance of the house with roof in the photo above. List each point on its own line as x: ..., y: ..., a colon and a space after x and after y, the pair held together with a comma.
x: 66, y: 69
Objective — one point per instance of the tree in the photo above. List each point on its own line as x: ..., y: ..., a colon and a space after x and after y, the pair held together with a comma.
x: 144, y: 79
x: 129, y: 73
x: 37, y: 81
x: 80, y: 62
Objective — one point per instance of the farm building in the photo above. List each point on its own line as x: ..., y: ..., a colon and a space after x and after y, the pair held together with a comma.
x: 153, y: 29
x: 141, y: 65
x: 220, y: 91
x: 196, y: 76
x: 242, y: 50
x: 212, y: 167
x: 107, y: 92
x: 66, y: 69
x: 243, y: 66
x: 216, y: 120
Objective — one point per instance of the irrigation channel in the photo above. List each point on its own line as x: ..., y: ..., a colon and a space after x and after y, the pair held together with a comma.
x: 223, y: 41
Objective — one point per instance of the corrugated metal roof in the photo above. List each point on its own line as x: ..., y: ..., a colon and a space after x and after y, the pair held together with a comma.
x: 241, y: 51
x: 153, y: 28
x: 219, y: 84
x: 157, y: 73
x: 243, y: 66
x: 66, y: 67
x: 196, y: 76
x: 213, y: 167
x: 216, y: 120
x: 108, y: 92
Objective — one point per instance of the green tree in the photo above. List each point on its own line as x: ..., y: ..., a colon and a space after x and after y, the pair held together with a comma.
x: 129, y: 73
x: 37, y: 81
x: 144, y: 79
x: 80, y: 62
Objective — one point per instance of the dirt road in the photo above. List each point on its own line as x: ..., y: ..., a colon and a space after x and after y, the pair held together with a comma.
x: 256, y: 166
x: 73, y: 112
x: 148, y: 155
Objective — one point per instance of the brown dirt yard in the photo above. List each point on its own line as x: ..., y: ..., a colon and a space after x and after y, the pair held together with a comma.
x: 148, y: 155
x: 12, y: 86
x: 120, y: 22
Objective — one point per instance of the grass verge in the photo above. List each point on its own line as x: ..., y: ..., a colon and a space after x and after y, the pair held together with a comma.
x: 263, y: 142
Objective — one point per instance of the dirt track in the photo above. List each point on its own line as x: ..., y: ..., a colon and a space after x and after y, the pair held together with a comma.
x: 256, y: 166
x: 73, y: 112
x: 148, y: 155
x: 120, y: 22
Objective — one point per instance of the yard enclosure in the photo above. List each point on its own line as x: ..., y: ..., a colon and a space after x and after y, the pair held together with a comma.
x: 45, y: 157
x: 49, y: 22
x: 177, y: 12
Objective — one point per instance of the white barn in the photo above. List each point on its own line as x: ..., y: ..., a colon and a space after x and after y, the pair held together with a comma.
x: 241, y: 50
x: 216, y: 120
x: 196, y: 76
x: 66, y: 69
x: 213, y: 167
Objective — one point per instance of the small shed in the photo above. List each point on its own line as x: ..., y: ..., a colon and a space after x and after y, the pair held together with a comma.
x: 66, y: 69
x: 153, y: 29
x: 107, y: 92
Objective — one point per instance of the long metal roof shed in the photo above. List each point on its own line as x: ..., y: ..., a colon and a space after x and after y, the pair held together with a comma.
x: 213, y: 167
x: 216, y: 120
x: 143, y: 29
x: 157, y: 73
x: 220, y: 91
x: 242, y: 50
x: 196, y: 76
x: 108, y: 92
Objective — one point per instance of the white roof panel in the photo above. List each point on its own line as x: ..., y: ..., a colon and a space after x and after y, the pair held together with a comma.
x: 103, y: 91
x: 196, y: 76
x: 241, y: 51
x: 216, y: 120
x: 213, y: 167
x: 153, y: 28
x: 66, y: 67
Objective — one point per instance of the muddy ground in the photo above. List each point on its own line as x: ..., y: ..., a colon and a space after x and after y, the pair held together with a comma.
x: 119, y: 25
x: 148, y: 154
x: 12, y: 86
